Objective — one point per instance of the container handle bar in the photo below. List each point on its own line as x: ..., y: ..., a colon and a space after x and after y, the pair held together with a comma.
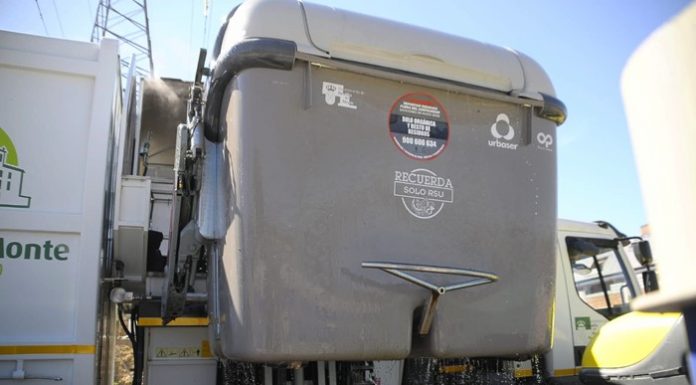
x: 400, y: 270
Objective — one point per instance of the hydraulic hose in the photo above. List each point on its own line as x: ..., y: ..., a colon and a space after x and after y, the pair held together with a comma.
x: 250, y: 53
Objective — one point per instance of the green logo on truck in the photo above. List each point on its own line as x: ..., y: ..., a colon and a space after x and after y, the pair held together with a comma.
x: 46, y: 250
x: 11, y: 175
x: 583, y: 323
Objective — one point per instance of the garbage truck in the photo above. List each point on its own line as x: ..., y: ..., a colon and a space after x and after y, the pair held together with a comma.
x: 313, y: 196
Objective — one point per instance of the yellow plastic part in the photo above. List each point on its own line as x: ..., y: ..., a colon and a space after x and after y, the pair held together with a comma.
x: 566, y: 372
x: 552, y: 321
x: 205, y: 349
x: 180, y: 321
x: 522, y: 373
x: 628, y: 339
x: 47, y: 349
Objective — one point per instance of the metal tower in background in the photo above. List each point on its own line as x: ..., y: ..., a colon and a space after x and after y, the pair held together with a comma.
x: 127, y: 21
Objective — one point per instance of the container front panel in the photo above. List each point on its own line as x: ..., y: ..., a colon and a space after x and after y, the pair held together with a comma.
x: 330, y: 168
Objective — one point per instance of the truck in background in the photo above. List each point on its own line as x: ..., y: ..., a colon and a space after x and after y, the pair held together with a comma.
x: 596, y: 280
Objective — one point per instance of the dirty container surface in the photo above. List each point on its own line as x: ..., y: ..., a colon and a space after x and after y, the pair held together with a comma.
x: 377, y: 214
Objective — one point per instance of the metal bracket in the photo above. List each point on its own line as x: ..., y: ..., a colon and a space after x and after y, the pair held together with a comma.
x: 20, y: 375
x: 398, y: 270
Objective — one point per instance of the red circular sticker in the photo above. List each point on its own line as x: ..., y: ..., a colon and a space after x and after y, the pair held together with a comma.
x: 419, y: 126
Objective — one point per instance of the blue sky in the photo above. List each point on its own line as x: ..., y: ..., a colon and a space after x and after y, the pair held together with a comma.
x: 583, y: 45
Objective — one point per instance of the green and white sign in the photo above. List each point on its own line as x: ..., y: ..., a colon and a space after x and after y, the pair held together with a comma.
x: 583, y: 323
x: 43, y: 250
x: 11, y: 175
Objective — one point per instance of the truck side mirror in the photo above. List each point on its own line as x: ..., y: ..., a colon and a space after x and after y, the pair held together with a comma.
x: 650, y: 281
x: 643, y: 252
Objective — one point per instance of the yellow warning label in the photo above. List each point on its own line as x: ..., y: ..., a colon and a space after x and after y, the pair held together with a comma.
x: 179, y: 352
x: 202, y: 351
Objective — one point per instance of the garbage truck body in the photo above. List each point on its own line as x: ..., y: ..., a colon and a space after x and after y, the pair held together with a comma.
x: 59, y: 111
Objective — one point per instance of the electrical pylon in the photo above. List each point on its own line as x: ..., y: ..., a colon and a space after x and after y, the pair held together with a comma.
x: 127, y: 21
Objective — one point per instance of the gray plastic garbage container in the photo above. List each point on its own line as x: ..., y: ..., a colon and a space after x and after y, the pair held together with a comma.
x: 365, y: 177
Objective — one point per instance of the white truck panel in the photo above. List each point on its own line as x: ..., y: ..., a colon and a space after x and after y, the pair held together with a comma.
x: 58, y: 106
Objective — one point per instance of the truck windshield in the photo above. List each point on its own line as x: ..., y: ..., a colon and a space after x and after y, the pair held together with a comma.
x: 601, y: 277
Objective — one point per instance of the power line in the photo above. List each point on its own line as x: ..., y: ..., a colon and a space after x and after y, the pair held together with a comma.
x: 89, y: 7
x: 190, y: 42
x: 207, y: 5
x: 128, y: 22
x: 41, y: 15
x: 60, y: 23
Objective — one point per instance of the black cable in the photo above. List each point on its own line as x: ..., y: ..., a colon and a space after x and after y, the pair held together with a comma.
x: 139, y: 356
x: 60, y: 23
x: 42, y: 18
x: 123, y: 325
x: 89, y: 7
x: 138, y: 347
x: 604, y: 285
x: 136, y: 335
x: 190, y: 42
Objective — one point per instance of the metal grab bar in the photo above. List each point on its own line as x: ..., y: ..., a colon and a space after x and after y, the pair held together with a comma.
x: 398, y: 270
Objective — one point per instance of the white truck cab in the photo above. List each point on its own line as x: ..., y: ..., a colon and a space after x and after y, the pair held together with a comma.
x: 595, y: 281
